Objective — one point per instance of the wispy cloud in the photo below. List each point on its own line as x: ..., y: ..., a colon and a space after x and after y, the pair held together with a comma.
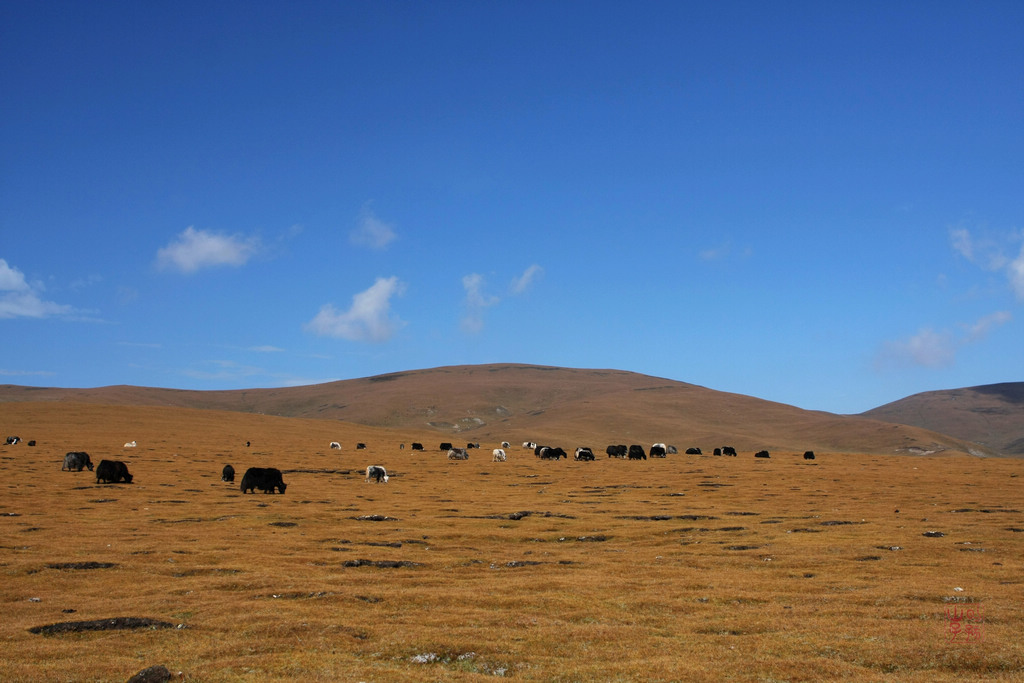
x: 523, y: 282
x: 931, y: 348
x: 723, y: 251
x: 369, y: 319
x: 19, y: 299
x: 980, y: 329
x: 994, y: 253
x: 194, y: 249
x: 927, y: 348
x: 372, y: 232
x: 266, y: 349
x: 476, y: 302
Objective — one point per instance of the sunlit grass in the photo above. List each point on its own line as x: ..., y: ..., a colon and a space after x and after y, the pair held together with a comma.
x: 780, y: 571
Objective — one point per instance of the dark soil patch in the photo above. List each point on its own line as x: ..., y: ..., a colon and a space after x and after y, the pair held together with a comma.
x: 114, y: 624
x: 382, y: 564
x: 81, y: 565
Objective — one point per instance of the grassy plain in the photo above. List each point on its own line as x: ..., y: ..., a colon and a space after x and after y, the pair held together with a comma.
x: 689, y: 568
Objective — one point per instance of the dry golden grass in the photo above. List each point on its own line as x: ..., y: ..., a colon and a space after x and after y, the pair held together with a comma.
x: 622, y: 571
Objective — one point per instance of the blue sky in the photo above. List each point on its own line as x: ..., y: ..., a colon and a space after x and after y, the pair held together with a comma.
x: 820, y: 204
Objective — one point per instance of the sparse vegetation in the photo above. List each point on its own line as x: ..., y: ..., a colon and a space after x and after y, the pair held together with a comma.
x: 530, y: 570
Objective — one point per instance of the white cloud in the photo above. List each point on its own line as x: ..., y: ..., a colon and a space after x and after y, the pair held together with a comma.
x: 927, y: 348
x: 990, y: 253
x: 194, y: 249
x: 19, y: 299
x: 476, y: 302
x: 937, y: 349
x: 523, y: 282
x: 372, y: 232
x: 11, y: 279
x: 962, y: 242
x: 266, y: 349
x: 368, y: 319
x: 986, y: 324
x: 1015, y: 271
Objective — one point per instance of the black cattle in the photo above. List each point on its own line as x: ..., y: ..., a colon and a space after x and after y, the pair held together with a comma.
x: 616, y: 451
x: 657, y: 451
x: 728, y: 450
x: 762, y: 454
x: 417, y: 446
x: 112, y: 472
x: 584, y: 453
x: 32, y: 442
x: 809, y: 455
x: 548, y: 453
x: 247, y: 444
x: 696, y: 451
x: 636, y: 452
x: 446, y: 446
x: 671, y: 450
x: 458, y: 454
x: 265, y: 479
x: 11, y: 440
x: 537, y: 448
x: 472, y: 445
x: 360, y: 446
x: 377, y: 474
x: 718, y: 451
x: 228, y: 473
x: 77, y: 461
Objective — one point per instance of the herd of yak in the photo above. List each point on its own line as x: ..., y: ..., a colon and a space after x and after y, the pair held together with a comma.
x: 269, y: 479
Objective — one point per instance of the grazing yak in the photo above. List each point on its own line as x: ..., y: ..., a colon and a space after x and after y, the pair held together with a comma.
x: 76, y: 461
x: 416, y: 446
x: 636, y: 452
x: 548, y: 453
x: 11, y: 440
x: 696, y: 451
x: 506, y: 444
x: 809, y: 455
x: 265, y: 479
x: 728, y: 450
x: 445, y: 446
x: 112, y: 472
x: 335, y: 445
x: 616, y: 451
x: 130, y: 444
x: 762, y: 454
x: 377, y: 473
x: 228, y: 473
x: 458, y: 454
x: 584, y: 454
x: 658, y: 450
x: 499, y: 455
x: 32, y: 442
x: 360, y: 446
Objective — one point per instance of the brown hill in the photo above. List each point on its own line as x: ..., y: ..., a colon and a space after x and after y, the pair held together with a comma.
x: 564, y: 406
x: 991, y: 415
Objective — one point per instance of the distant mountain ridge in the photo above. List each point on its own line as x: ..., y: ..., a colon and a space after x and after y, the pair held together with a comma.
x: 991, y: 415
x: 541, y: 403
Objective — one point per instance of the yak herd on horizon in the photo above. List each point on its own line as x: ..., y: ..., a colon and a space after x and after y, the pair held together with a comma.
x: 270, y: 479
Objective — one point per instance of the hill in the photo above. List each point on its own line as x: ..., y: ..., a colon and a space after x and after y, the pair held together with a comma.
x: 991, y: 415
x: 540, y: 403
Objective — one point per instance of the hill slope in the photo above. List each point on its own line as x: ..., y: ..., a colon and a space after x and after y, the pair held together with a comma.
x: 991, y: 415
x: 490, y: 403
